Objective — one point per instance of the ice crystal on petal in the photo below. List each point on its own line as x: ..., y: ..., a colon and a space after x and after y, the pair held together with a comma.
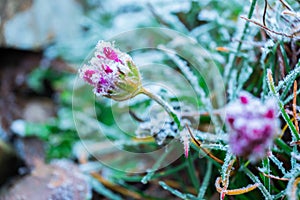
x: 111, y: 72
x: 253, y: 126
x: 185, y: 139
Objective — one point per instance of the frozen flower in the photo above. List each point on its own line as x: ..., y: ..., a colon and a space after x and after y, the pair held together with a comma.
x: 253, y: 126
x: 111, y: 72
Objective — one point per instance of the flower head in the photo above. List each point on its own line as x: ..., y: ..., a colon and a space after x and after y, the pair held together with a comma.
x: 111, y: 72
x: 253, y: 126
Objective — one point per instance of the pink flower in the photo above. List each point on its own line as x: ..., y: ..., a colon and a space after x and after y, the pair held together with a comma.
x: 111, y: 54
x: 111, y: 72
x: 252, y: 125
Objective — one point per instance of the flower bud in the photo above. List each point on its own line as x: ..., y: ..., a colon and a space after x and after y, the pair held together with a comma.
x: 252, y: 125
x: 112, y: 73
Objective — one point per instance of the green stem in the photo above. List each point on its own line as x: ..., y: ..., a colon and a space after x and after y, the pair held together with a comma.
x: 156, y: 166
x: 192, y: 172
x: 206, y: 180
x: 245, y: 28
x: 165, y: 106
x: 255, y: 179
x: 286, y: 148
x: 243, y: 34
x: 138, y: 178
x: 266, y: 166
x: 281, y: 106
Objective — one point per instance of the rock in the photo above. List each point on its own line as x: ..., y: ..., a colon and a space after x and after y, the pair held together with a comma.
x: 38, y: 110
x: 8, y: 8
x: 31, y: 150
x: 60, y: 180
x: 9, y: 162
x: 33, y: 24
x: 18, y: 100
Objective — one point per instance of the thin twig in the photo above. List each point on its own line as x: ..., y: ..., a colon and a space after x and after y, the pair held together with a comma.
x: 134, y: 116
x: 294, y: 189
x: 198, y: 143
x: 285, y: 4
x: 295, y: 106
x: 157, y: 16
x: 265, y: 11
x: 115, y: 187
x: 274, y: 177
x: 244, y: 190
x: 266, y: 28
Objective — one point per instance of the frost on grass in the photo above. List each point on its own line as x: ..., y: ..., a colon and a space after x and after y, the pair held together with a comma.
x: 185, y: 139
x: 289, y: 78
x: 159, y: 125
x: 277, y: 162
x: 253, y: 126
x: 194, y: 81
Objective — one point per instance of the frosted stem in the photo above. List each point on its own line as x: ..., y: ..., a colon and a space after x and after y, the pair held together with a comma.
x: 256, y: 180
x: 206, y: 179
x: 156, y: 165
x: 165, y: 106
x: 278, y: 163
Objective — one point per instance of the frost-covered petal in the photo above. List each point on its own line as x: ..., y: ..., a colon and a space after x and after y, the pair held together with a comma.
x: 111, y: 72
x: 253, y: 126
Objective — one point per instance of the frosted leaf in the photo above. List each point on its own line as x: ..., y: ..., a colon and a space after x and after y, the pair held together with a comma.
x: 99, y: 188
x: 176, y: 192
x: 289, y: 98
x: 225, y: 172
x: 289, y: 78
x: 215, y: 147
x: 192, y: 78
x: 278, y: 163
x: 232, y: 84
x: 291, y: 191
x: 243, y: 77
x: 209, y: 137
x: 256, y: 180
x: 296, y: 156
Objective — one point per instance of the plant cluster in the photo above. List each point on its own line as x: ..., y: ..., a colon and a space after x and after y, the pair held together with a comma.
x: 244, y: 145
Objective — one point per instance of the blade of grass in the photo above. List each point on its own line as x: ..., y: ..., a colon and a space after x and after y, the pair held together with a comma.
x: 206, y: 180
x: 192, y: 172
x: 176, y: 192
x: 155, y: 167
x: 238, y: 49
x: 266, y: 166
x: 255, y: 179
x: 281, y: 107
